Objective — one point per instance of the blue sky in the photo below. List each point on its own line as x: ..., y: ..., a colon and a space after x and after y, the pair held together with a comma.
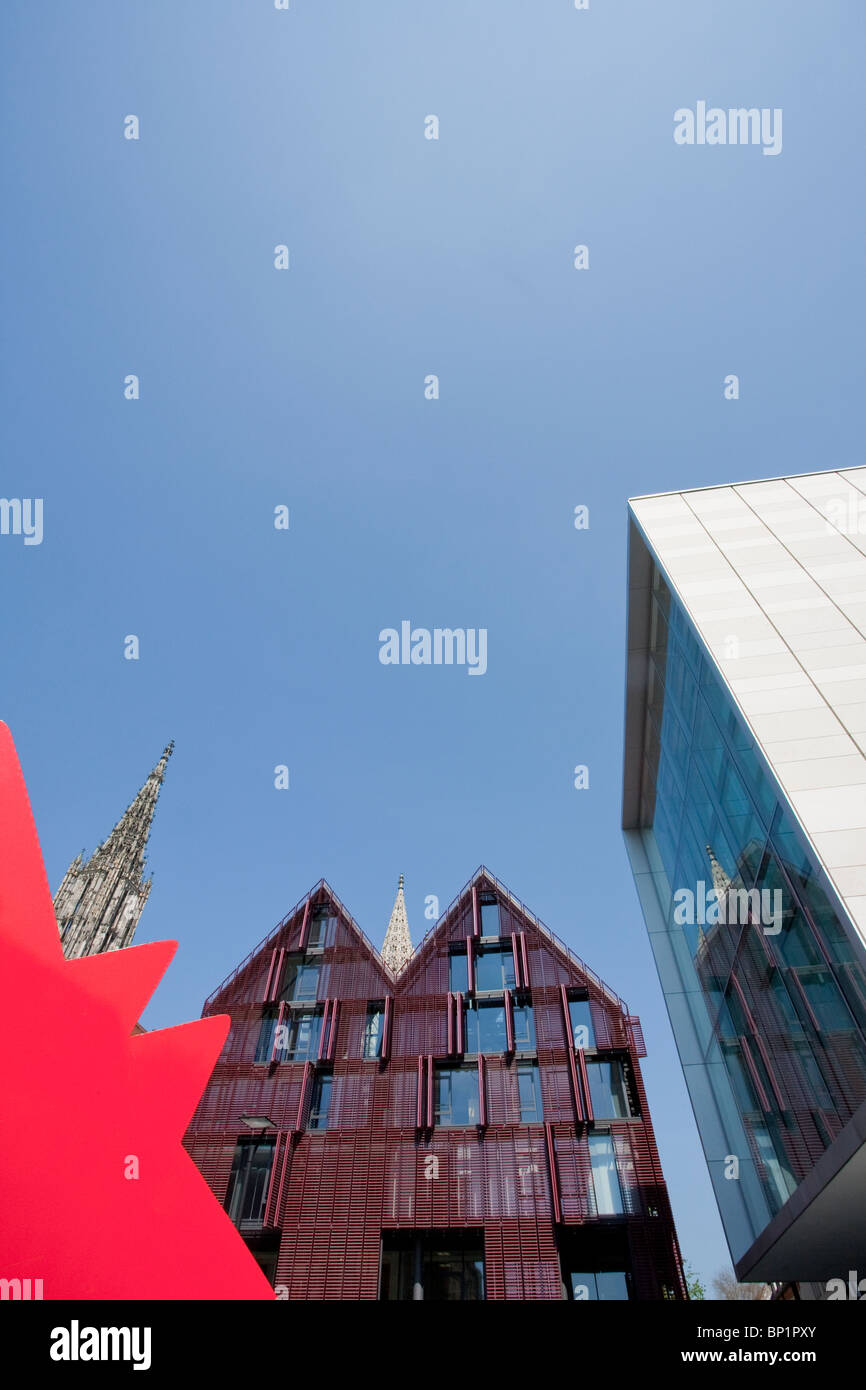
x: 306, y: 387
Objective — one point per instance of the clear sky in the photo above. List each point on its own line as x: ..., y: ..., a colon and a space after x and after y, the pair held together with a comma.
x: 305, y: 387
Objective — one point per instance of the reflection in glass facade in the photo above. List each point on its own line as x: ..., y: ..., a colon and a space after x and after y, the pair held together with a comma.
x: 778, y: 1007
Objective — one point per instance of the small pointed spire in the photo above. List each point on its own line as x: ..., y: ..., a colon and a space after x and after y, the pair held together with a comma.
x: 398, y: 948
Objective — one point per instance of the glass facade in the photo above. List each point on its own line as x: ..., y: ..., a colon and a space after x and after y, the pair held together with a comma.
x: 759, y: 973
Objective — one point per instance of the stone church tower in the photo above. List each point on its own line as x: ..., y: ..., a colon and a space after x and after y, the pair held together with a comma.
x: 100, y: 900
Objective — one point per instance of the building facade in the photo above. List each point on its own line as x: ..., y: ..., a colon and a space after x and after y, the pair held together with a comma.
x: 744, y: 812
x: 101, y: 899
x: 472, y: 1125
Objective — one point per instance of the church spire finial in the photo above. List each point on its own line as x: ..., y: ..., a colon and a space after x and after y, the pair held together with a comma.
x: 398, y: 948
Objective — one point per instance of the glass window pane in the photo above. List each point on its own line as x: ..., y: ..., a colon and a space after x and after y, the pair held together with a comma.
x: 458, y: 981
x: 322, y: 929
x: 524, y: 1028
x: 582, y: 1032
x: 265, y: 1043
x: 530, y: 1093
x: 302, y: 1032
x: 457, y: 1096
x: 605, y: 1178
x: 300, y: 980
x: 372, y: 1045
x: 307, y: 982
x: 491, y: 1028
x: 322, y: 1088
x: 494, y: 968
x: 608, y: 1091
x: 248, y: 1184
x: 611, y: 1284
x: 489, y: 918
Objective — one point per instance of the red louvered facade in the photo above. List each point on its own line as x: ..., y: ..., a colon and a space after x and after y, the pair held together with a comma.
x: 473, y: 1127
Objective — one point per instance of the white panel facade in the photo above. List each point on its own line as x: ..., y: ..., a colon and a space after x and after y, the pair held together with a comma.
x: 773, y: 575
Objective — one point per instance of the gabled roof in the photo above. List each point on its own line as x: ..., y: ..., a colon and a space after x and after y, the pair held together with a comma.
x: 400, y: 982
x: 483, y: 880
x: 320, y: 893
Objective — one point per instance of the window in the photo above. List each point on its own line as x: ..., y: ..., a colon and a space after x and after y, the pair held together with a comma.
x: 457, y: 1096
x: 604, y: 1285
x: 296, y: 1038
x: 302, y: 1030
x: 248, y: 1184
x: 489, y: 917
x: 266, y: 1259
x: 596, y: 1263
x: 524, y: 1028
x: 494, y: 969
x: 322, y: 928
x: 265, y: 1044
x: 321, y: 1101
x: 445, y: 1266
x: 529, y: 1092
x: 372, y: 1042
x: 485, y: 1027
x: 458, y: 973
x: 582, y: 1031
x: 605, y: 1178
x: 610, y: 1091
x: 300, y: 980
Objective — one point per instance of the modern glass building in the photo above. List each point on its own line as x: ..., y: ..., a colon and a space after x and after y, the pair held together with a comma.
x: 744, y: 813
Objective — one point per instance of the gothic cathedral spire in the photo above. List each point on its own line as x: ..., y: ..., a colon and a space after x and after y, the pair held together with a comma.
x: 100, y: 900
x: 397, y: 948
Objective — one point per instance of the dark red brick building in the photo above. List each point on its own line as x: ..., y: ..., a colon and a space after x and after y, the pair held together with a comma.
x: 473, y: 1126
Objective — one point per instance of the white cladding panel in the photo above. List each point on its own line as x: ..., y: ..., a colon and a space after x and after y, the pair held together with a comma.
x: 773, y: 575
